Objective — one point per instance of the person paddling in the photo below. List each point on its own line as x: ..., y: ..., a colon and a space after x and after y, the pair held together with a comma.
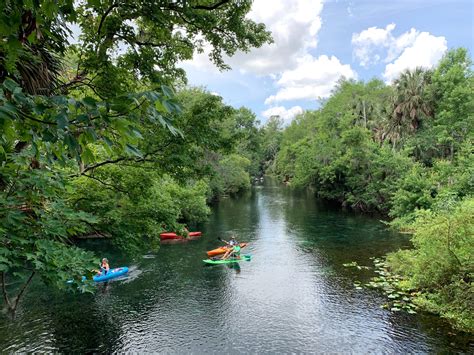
x: 104, y: 266
x: 232, y: 242
x: 234, y: 249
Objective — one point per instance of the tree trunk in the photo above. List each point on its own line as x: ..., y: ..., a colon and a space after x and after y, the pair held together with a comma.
x: 4, y: 291
x: 364, y: 113
x: 12, y: 307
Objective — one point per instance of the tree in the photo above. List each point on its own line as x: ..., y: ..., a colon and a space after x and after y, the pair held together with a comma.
x: 411, y: 104
x: 233, y: 176
x: 453, y: 88
x: 58, y: 123
x: 272, y: 132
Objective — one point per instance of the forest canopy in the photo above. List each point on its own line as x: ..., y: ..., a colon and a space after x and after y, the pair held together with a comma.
x: 94, y: 138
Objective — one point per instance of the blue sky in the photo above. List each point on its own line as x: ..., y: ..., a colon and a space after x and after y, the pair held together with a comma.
x: 317, y: 42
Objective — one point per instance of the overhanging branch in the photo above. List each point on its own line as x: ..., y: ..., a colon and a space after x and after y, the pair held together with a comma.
x: 211, y: 7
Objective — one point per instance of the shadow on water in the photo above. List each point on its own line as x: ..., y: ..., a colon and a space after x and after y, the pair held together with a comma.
x: 294, y: 296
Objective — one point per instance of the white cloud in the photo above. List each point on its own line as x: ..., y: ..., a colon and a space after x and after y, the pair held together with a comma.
x: 367, y: 43
x: 396, y: 45
x: 296, y: 73
x: 425, y: 52
x: 286, y: 115
x: 407, y: 51
x: 312, y: 78
x: 294, y: 25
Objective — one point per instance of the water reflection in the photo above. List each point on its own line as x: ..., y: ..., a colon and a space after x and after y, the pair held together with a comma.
x: 293, y: 296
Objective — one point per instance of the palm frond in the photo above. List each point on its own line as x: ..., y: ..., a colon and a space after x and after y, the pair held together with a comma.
x: 39, y: 70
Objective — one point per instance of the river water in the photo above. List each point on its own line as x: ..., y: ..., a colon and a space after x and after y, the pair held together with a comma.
x: 294, y: 296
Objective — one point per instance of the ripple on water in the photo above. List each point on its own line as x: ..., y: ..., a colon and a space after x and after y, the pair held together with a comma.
x: 293, y: 297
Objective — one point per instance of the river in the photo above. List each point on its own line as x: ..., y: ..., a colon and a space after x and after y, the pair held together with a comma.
x: 294, y: 296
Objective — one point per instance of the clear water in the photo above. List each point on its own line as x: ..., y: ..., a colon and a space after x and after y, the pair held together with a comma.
x: 294, y: 296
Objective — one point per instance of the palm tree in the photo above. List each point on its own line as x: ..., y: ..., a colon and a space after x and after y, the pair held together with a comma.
x: 36, y: 62
x: 410, y: 100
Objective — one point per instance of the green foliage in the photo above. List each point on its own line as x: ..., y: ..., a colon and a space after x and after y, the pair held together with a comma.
x: 339, y: 150
x: 135, y: 205
x: 294, y: 143
x: 404, y: 150
x: 63, y: 127
x: 232, y: 175
x: 155, y: 44
x: 87, y: 142
x: 37, y: 223
x: 377, y: 147
x: 424, y: 188
x: 248, y: 139
x: 58, y: 263
x: 412, y: 104
x: 271, y: 143
x: 453, y: 87
x: 416, y: 190
x: 215, y: 137
x: 441, y: 264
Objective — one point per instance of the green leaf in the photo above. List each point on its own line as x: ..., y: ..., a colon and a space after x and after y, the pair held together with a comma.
x: 133, y: 151
x: 108, y: 141
x: 169, y: 107
x: 8, y: 111
x: 137, y: 133
x: 72, y: 143
x: 167, y: 91
x: 82, y: 118
x: 92, y: 134
x: 90, y: 102
x: 10, y: 85
x: 62, y: 120
x: 87, y: 155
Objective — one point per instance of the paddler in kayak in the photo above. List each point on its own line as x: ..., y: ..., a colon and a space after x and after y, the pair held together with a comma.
x: 233, y: 251
x: 104, y: 267
x: 232, y: 242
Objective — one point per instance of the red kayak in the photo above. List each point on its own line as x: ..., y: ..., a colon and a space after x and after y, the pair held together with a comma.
x: 172, y: 235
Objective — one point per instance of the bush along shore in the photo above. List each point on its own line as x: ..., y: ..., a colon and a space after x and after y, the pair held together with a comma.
x: 436, y: 274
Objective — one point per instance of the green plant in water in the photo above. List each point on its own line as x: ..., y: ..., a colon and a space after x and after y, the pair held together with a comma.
x: 389, y: 283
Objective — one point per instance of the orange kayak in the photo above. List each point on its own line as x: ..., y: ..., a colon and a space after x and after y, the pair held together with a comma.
x: 222, y: 250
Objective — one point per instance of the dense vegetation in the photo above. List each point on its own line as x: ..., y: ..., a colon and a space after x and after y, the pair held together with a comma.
x: 404, y: 150
x: 94, y: 139
x: 104, y: 137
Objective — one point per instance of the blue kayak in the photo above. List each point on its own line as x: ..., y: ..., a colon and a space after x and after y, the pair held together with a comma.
x: 111, y: 274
